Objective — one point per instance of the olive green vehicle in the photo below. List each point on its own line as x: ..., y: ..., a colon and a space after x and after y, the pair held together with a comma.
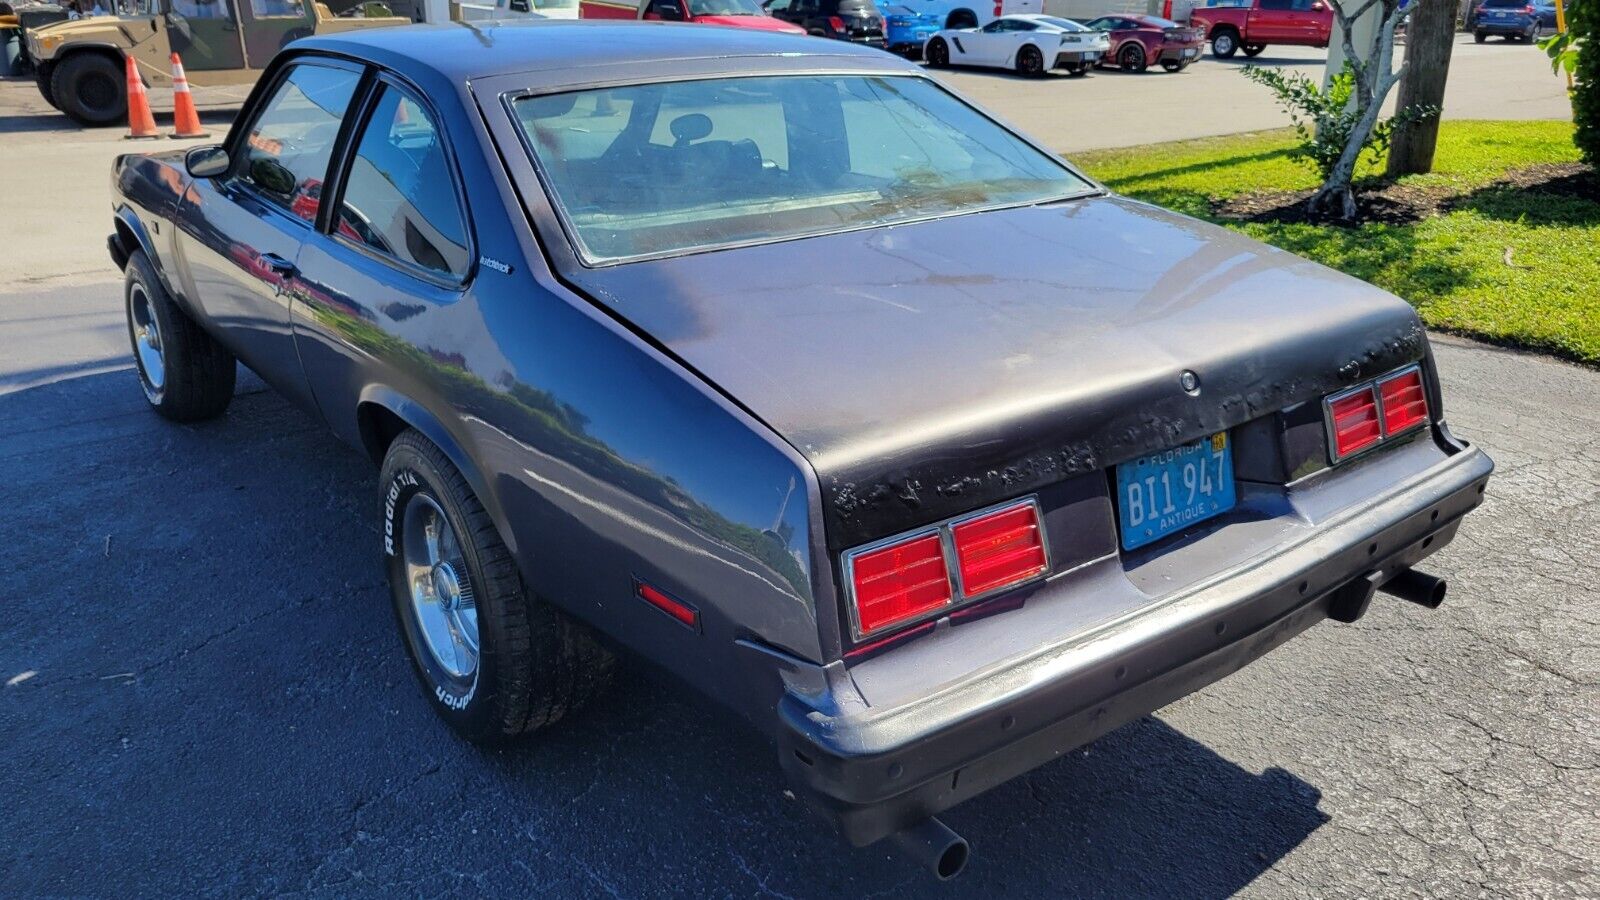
x: 80, y: 64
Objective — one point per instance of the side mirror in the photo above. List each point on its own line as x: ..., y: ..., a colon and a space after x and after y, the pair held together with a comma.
x: 206, y: 162
x: 1319, y: 6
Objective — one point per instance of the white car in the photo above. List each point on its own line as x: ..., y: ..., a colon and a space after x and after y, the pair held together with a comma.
x: 1030, y: 43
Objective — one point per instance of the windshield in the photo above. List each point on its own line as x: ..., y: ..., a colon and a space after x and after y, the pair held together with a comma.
x: 725, y: 8
x: 659, y: 169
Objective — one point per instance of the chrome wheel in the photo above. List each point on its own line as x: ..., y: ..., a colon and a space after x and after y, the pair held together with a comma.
x: 441, y: 593
x: 146, y: 332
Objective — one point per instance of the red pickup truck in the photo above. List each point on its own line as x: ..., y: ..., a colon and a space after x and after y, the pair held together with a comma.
x: 1250, y: 25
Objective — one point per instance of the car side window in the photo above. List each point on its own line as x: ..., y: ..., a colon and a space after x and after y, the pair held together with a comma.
x: 277, y: 9
x: 777, y: 6
x: 1023, y: 26
x: 997, y: 26
x: 202, y: 9
x: 1277, y: 4
x: 287, y: 150
x: 400, y: 194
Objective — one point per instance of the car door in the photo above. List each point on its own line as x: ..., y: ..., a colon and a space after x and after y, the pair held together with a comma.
x: 270, y: 24
x: 1271, y: 22
x: 987, y: 45
x: 241, y: 234
x: 206, y: 34
x: 382, y: 278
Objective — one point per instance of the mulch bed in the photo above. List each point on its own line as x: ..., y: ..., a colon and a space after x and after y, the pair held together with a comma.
x: 1387, y: 203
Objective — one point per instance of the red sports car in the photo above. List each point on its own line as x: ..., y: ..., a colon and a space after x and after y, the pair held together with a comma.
x: 1138, y: 41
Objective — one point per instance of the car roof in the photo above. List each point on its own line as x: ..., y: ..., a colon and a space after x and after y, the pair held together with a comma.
x: 461, y: 51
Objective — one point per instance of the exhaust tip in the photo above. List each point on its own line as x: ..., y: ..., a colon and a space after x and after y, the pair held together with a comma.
x: 1417, y: 587
x: 931, y: 843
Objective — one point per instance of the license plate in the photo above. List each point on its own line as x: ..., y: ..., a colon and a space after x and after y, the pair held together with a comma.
x: 1190, y: 54
x: 1171, y: 489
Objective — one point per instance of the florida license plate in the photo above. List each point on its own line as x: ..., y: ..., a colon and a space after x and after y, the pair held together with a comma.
x: 1190, y: 54
x: 1171, y: 489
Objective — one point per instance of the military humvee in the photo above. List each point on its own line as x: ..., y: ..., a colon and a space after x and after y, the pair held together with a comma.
x: 80, y: 64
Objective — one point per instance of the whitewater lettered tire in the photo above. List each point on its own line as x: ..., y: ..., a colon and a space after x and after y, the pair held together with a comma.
x: 494, y: 661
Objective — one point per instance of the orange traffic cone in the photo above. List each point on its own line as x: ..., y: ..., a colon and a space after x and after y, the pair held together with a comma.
x: 185, y: 119
x: 140, y: 123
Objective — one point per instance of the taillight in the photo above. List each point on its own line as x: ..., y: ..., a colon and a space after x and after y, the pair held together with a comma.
x: 899, y: 582
x: 999, y: 549
x: 1405, y: 403
x: 1354, y: 419
x: 836, y: 23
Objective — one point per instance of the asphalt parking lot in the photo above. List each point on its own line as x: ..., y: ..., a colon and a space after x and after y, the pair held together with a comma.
x: 202, y: 691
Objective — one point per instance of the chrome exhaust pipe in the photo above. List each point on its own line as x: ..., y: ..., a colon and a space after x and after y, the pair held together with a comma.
x: 1418, y: 587
x: 931, y: 844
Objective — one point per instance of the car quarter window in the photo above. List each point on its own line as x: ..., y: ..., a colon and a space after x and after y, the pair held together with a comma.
x: 287, y: 150
x: 399, y: 195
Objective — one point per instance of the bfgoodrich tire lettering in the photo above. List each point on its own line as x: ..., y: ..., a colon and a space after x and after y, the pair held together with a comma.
x: 533, y: 664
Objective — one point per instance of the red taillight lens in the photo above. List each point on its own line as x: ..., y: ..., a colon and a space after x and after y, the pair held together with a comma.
x: 1355, y: 422
x: 999, y: 549
x: 836, y: 23
x: 1405, y: 403
x: 899, y: 582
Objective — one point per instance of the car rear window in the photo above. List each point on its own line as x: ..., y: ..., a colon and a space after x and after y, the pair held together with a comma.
x: 663, y: 169
x: 1505, y: 4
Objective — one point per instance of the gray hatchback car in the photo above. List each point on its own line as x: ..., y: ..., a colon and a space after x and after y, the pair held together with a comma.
x: 778, y: 364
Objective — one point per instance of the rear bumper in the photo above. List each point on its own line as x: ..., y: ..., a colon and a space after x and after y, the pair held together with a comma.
x: 1078, y: 57
x: 877, y: 771
x: 1177, y: 54
x: 1516, y: 27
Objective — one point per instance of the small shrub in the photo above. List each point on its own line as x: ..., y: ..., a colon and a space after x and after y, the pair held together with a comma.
x: 1324, y: 120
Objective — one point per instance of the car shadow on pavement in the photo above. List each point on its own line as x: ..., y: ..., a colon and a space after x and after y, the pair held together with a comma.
x: 219, y: 669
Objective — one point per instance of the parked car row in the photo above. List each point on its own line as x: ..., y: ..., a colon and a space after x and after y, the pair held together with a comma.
x: 1031, y: 43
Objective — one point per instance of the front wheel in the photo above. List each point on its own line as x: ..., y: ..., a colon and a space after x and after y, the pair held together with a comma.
x: 1030, y: 61
x: 1132, y: 59
x: 186, y: 375
x: 937, y: 54
x: 1253, y: 50
x: 1224, y: 44
x: 494, y: 661
x: 91, y: 88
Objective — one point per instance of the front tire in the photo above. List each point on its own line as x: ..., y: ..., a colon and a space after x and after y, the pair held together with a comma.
x: 495, y: 661
x: 186, y: 375
x: 42, y: 75
x: 1224, y: 44
x: 937, y: 54
x: 91, y: 88
x: 1132, y: 59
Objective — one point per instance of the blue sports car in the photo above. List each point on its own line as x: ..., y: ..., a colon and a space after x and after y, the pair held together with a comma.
x: 905, y: 30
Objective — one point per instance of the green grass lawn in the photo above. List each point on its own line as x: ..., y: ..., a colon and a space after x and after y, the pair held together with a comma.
x: 1453, y: 266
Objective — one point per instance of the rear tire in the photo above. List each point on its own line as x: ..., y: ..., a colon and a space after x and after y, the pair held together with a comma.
x: 529, y: 664
x: 1030, y: 62
x: 186, y: 375
x: 1131, y: 58
x: 1225, y: 43
x: 1253, y: 50
x: 91, y: 88
x: 937, y: 53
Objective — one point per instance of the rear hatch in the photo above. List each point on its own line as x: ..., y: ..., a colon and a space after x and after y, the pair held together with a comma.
x: 929, y: 369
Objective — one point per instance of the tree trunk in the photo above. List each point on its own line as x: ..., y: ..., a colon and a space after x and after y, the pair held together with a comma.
x: 1429, y: 40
